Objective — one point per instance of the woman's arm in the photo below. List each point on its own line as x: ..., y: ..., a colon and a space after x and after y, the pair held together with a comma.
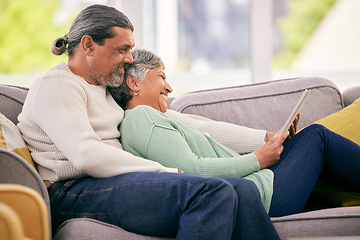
x: 162, y: 141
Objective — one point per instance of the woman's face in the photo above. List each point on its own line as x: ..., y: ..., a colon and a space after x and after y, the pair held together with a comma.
x: 154, y: 90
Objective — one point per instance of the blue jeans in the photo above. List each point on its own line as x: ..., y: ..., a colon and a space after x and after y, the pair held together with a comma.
x: 167, y: 205
x: 313, y: 151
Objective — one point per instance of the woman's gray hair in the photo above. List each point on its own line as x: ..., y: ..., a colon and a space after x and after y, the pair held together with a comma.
x: 143, y: 62
x: 96, y: 21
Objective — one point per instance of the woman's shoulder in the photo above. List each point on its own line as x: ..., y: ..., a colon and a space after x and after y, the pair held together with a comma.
x: 146, y: 113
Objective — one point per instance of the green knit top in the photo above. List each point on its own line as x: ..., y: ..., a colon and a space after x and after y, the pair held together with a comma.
x: 148, y: 133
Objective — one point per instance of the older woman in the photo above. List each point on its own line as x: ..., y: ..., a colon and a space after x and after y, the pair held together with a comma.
x: 285, y: 174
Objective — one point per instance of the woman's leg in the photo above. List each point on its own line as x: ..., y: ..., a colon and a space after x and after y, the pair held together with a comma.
x: 309, y: 153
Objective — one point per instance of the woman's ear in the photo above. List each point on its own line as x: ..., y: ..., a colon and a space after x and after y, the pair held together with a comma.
x: 133, y: 83
x: 87, y: 44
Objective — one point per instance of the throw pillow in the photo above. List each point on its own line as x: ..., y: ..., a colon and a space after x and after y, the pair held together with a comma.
x: 345, y: 123
x: 11, y: 139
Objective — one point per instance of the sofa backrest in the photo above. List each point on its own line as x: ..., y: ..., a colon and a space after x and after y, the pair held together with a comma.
x: 11, y: 101
x: 264, y: 105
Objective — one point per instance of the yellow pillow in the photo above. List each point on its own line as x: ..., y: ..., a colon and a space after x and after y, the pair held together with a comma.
x: 345, y: 123
x: 11, y: 139
x: 335, y: 196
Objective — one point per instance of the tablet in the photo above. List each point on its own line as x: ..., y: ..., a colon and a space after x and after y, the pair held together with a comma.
x: 295, y: 111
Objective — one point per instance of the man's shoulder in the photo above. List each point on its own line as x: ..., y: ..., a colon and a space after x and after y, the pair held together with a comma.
x: 58, y: 77
x: 59, y: 69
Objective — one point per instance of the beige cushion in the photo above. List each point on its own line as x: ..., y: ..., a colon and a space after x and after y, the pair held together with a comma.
x: 11, y: 139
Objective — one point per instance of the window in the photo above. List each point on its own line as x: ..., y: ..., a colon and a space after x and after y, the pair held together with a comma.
x: 204, y: 44
x: 317, y: 38
x: 215, y: 43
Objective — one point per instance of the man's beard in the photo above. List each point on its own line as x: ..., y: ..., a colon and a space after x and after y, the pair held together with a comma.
x: 114, y: 80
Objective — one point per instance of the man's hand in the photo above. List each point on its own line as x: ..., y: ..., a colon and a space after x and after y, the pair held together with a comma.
x: 269, y: 153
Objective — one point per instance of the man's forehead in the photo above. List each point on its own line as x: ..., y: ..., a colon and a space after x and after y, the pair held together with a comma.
x: 122, y: 37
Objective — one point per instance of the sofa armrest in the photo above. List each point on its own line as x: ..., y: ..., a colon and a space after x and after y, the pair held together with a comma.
x: 16, y: 170
x: 350, y: 95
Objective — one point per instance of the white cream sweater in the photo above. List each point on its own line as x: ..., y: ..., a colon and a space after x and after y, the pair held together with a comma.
x: 71, y: 129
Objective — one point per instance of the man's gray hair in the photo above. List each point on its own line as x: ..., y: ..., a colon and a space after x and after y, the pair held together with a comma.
x: 96, y: 21
x: 143, y: 62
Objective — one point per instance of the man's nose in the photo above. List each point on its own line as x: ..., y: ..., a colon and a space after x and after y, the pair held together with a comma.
x: 128, y: 58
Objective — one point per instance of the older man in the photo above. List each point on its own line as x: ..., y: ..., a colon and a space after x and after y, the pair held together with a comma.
x: 70, y: 124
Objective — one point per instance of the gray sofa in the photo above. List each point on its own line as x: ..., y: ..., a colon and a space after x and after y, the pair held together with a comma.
x: 262, y: 105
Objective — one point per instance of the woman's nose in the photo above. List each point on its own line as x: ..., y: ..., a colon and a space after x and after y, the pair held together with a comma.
x: 168, y: 88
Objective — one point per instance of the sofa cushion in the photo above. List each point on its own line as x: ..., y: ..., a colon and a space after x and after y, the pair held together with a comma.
x: 264, y: 105
x: 328, y: 222
x: 90, y: 229
x: 345, y: 122
x: 11, y: 139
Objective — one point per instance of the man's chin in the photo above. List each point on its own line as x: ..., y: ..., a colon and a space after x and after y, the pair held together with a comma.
x: 113, y: 82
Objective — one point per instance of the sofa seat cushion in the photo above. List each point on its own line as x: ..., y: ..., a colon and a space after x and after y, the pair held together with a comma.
x: 328, y: 222
x: 90, y: 229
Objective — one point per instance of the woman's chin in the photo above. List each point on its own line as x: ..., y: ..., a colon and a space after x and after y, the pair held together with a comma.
x: 163, y: 108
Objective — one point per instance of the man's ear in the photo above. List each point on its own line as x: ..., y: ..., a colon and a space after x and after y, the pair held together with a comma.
x: 133, y: 83
x: 87, y: 44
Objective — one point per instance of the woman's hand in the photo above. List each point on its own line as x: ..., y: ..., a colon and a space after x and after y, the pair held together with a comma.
x: 292, y: 130
x: 269, y: 153
x: 293, y: 127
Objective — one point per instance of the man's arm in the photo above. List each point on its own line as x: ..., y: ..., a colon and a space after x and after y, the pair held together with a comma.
x: 240, y: 139
x: 60, y: 108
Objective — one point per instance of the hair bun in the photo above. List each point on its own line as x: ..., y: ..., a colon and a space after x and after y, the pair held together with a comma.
x: 59, y: 46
